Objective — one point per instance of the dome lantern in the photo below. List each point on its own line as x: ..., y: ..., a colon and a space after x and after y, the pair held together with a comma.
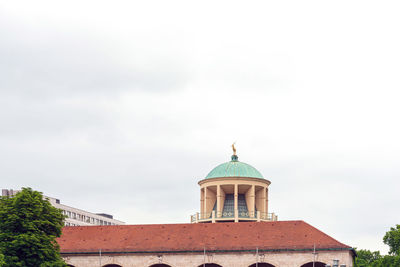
x: 234, y: 191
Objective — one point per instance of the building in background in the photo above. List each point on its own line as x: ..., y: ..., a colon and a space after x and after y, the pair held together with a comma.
x: 75, y: 217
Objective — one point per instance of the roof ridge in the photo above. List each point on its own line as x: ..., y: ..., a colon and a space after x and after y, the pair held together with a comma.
x: 162, y: 224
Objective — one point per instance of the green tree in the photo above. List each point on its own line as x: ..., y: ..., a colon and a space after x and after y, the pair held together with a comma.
x: 2, y: 262
x: 365, y: 257
x: 392, y: 239
x: 29, y: 226
x: 386, y: 261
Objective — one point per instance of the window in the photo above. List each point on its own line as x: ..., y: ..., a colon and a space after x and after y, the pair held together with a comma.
x: 335, y: 263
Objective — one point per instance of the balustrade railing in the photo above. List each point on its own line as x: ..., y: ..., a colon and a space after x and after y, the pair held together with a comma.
x: 255, y: 215
x: 268, y: 216
x: 200, y: 217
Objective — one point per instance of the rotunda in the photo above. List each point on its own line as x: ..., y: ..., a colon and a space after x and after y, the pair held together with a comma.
x: 233, y: 192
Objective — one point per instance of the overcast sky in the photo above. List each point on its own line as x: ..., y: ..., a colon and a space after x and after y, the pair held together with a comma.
x: 122, y: 107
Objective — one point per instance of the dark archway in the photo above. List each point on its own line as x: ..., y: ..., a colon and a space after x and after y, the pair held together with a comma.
x: 160, y: 265
x: 69, y: 265
x: 262, y: 264
x: 112, y: 265
x: 317, y: 264
x: 210, y: 265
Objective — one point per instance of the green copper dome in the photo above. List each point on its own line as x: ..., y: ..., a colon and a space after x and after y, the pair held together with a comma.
x: 234, y: 168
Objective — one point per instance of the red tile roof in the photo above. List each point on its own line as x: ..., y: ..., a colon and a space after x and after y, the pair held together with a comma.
x: 280, y: 235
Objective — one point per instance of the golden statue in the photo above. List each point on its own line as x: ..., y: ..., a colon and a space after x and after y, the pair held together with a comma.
x: 234, y: 149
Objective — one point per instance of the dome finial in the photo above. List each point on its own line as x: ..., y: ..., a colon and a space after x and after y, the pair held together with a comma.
x: 234, y: 156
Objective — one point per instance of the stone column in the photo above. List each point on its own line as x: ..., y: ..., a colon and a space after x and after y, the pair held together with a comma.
x: 219, y: 201
x: 236, y: 208
x: 202, y: 201
x: 266, y: 202
x: 252, y: 201
x: 204, y: 215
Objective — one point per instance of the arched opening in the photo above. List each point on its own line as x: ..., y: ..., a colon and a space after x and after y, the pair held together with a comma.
x: 209, y: 265
x: 160, y: 265
x: 112, y: 265
x: 315, y: 264
x: 262, y: 264
x: 69, y: 265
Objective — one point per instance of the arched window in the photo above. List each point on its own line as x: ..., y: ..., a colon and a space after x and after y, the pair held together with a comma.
x: 261, y: 264
x: 209, y: 265
x: 112, y: 265
x: 160, y: 265
x: 315, y: 264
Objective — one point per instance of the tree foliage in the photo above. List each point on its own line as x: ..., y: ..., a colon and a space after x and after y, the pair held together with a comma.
x: 392, y: 239
x: 29, y: 226
x: 2, y: 262
x: 366, y: 258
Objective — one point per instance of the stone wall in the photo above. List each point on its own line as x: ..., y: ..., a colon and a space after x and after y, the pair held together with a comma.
x: 278, y: 259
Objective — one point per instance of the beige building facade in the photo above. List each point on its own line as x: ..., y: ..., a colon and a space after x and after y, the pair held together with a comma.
x: 233, y: 259
x: 234, y: 228
x: 228, y: 244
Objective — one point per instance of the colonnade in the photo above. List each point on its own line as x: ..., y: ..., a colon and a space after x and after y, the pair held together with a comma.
x: 214, y: 193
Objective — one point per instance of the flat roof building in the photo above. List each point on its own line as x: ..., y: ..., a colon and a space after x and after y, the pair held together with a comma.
x: 75, y: 216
